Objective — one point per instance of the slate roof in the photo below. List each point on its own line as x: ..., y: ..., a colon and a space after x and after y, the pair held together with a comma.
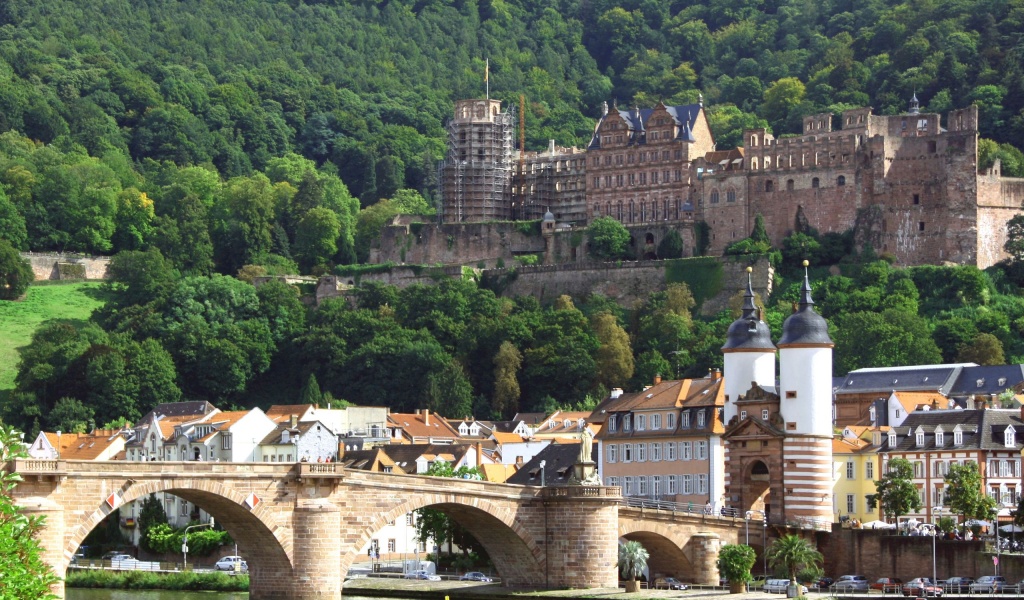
x: 637, y: 120
x: 406, y: 455
x: 559, y: 459
x: 374, y: 459
x: 196, y: 408
x: 919, y: 378
x: 987, y: 380
x: 982, y: 430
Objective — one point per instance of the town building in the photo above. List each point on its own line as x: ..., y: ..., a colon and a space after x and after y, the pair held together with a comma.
x: 421, y: 428
x: 303, y: 441
x: 932, y: 440
x: 100, y: 444
x: 664, y: 443
x: 855, y: 470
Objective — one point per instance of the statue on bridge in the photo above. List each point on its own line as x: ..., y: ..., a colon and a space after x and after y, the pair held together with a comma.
x: 585, y: 469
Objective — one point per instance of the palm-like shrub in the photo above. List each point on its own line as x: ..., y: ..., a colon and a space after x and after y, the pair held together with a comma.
x: 632, y: 562
x: 792, y: 554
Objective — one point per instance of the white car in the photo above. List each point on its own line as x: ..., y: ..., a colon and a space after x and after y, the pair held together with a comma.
x: 422, y: 574
x: 232, y: 563
x: 780, y: 586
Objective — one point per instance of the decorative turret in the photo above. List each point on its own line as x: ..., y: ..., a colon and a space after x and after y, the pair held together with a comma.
x: 547, y: 229
x: 915, y: 106
x: 749, y: 354
x: 805, y: 356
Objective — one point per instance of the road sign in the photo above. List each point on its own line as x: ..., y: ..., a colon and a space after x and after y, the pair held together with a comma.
x: 184, y: 548
x: 995, y: 560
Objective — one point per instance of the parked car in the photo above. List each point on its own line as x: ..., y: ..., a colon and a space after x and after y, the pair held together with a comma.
x: 825, y: 582
x: 232, y: 563
x: 779, y: 586
x: 888, y: 584
x: 851, y: 583
x: 990, y: 584
x: 422, y: 574
x: 114, y: 553
x: 119, y: 558
x: 757, y: 583
x: 957, y: 585
x: 920, y: 587
x: 669, y: 583
x: 475, y: 576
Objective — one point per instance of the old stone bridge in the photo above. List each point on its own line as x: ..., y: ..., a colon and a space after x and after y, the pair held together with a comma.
x: 300, y: 526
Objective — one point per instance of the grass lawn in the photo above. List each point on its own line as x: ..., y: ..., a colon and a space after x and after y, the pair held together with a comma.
x: 19, y: 320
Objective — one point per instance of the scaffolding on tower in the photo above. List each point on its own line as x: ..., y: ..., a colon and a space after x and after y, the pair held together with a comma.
x: 477, y: 173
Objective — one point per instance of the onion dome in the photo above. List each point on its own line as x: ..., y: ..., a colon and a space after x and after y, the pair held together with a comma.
x: 749, y: 332
x: 805, y: 327
x: 548, y: 216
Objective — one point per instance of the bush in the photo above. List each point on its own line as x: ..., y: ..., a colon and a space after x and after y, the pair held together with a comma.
x: 15, y: 272
x: 145, y: 580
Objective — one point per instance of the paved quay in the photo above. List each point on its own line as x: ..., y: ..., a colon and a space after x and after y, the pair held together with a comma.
x: 465, y: 590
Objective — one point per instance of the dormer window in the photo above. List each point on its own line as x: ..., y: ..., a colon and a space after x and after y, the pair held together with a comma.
x: 566, y: 423
x: 958, y: 438
x: 670, y: 420
x: 940, y: 438
x: 920, y: 438
x: 627, y: 423
x: 1009, y: 437
x: 700, y: 419
x: 686, y: 420
x: 612, y: 422
x: 892, y: 439
x: 1002, y: 381
x: 655, y: 422
x: 462, y: 429
x: 474, y: 430
x: 872, y: 414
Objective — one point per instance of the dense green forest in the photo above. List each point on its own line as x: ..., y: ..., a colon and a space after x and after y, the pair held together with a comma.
x: 159, y: 123
x: 200, y: 141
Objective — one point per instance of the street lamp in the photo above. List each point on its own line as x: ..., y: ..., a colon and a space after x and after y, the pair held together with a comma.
x: 935, y: 534
x: 184, y: 543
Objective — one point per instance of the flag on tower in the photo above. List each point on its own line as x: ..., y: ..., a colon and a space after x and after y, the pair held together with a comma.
x: 487, y: 69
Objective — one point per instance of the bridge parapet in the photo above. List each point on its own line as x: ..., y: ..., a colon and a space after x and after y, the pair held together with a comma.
x: 35, y: 466
x: 582, y: 491
x: 321, y: 471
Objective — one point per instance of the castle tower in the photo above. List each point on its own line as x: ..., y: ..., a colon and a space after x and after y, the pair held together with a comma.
x: 749, y: 354
x: 547, y: 229
x: 805, y: 396
x: 915, y: 106
x: 476, y: 175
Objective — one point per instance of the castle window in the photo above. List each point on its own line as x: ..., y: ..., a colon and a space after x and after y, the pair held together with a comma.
x: 714, y: 196
x: 789, y: 185
x: 920, y: 226
x: 753, y: 163
x: 767, y: 162
x: 790, y: 394
x: 841, y: 180
x: 917, y: 198
x: 769, y: 186
x: 815, y: 183
x: 730, y: 195
x: 753, y: 140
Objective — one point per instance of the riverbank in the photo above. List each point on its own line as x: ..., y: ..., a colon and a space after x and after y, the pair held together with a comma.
x: 145, y: 580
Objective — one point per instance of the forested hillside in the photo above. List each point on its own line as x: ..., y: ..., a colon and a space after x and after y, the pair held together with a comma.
x: 362, y: 89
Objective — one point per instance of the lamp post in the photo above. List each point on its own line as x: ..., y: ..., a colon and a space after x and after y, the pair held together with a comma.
x: 935, y: 534
x: 746, y: 524
x: 184, y: 544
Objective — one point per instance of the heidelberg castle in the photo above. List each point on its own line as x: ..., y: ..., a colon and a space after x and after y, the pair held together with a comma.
x: 904, y: 183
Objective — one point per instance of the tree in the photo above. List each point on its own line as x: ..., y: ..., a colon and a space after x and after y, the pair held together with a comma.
x: 310, y: 393
x: 908, y: 340
x: 895, y: 492
x: 507, y: 363
x: 1014, y: 245
x: 15, y: 272
x: 793, y: 554
x: 25, y: 575
x: 734, y: 563
x: 671, y: 246
x: 965, y: 495
x: 151, y: 515
x: 608, y: 238
x: 614, y: 357
x: 316, y: 237
x: 633, y: 559
x: 984, y: 349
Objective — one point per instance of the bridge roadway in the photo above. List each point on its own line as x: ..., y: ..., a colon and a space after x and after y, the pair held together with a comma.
x: 300, y: 526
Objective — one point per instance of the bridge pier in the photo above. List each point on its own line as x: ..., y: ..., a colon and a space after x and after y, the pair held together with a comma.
x: 51, y: 537
x: 702, y: 550
x: 582, y: 531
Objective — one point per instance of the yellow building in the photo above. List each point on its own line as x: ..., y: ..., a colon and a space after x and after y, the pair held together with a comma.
x: 855, y: 470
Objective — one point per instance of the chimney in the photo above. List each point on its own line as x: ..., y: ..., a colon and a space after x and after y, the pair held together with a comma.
x: 294, y: 421
x: 426, y: 416
x: 657, y: 378
x: 616, y: 392
x: 716, y: 374
x: 479, y: 454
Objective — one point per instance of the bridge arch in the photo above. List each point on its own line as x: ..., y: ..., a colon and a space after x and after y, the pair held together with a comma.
x: 517, y: 555
x: 255, y: 531
x: 665, y: 544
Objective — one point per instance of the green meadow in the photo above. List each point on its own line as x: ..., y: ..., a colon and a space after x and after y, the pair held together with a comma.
x: 19, y: 320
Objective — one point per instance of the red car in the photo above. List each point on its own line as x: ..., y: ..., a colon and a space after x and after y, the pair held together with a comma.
x: 888, y: 584
x: 922, y: 587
